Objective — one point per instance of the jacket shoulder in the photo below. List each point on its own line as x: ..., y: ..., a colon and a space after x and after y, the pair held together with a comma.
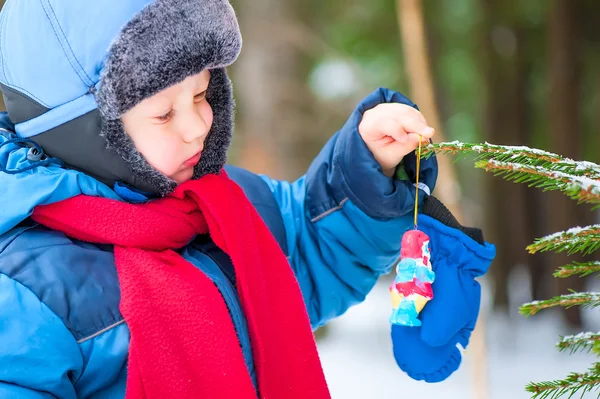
x: 76, y: 280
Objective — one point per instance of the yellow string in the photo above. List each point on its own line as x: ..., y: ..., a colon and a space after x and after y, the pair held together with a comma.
x: 417, y: 183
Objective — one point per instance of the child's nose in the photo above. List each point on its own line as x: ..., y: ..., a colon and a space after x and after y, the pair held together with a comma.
x: 195, y: 127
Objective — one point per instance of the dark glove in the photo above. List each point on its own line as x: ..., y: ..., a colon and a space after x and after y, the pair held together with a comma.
x: 458, y: 254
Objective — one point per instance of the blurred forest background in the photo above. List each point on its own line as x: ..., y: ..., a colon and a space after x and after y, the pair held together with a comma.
x: 513, y: 72
x: 503, y: 71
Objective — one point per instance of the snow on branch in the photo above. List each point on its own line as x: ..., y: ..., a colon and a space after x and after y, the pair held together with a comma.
x: 519, y: 155
x: 576, y: 239
x: 583, y: 299
x: 583, y: 269
x: 571, y: 385
x: 583, y: 341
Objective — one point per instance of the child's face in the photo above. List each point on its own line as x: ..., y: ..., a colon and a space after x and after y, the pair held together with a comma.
x: 169, y: 128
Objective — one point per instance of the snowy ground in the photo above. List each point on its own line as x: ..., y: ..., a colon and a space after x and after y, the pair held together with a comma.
x: 358, y: 361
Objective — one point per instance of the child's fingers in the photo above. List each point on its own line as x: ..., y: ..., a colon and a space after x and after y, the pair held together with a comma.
x: 403, y: 110
x: 393, y: 128
x: 424, y: 140
x: 418, y: 126
x: 413, y: 141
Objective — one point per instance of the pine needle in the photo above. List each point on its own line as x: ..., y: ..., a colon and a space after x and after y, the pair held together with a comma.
x: 580, y: 188
x: 581, y: 342
x: 578, y: 239
x: 583, y: 299
x: 516, y: 154
x: 571, y: 385
x: 576, y: 268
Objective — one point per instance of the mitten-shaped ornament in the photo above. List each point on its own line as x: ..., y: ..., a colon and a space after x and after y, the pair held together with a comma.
x: 411, y: 288
x: 434, y: 350
x: 429, y: 348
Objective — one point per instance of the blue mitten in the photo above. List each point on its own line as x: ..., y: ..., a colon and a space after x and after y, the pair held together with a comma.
x: 458, y: 254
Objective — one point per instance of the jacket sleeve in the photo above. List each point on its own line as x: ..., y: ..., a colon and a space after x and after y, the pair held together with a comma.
x: 344, y: 219
x: 39, y: 356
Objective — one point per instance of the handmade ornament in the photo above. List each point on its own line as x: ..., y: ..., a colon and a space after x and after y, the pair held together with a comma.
x: 411, y: 289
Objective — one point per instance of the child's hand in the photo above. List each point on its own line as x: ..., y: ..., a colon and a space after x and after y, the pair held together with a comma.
x: 391, y: 131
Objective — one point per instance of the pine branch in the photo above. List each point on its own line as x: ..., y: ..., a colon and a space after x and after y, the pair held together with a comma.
x: 571, y: 385
x: 581, y: 342
x: 577, y: 239
x: 583, y: 299
x: 577, y: 268
x: 579, y: 181
x: 516, y: 154
x: 580, y: 188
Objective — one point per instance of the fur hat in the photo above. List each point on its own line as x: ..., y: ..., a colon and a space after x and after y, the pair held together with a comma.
x: 162, y: 43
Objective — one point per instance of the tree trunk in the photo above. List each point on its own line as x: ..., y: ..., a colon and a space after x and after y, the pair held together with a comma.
x: 271, y: 102
x: 410, y: 20
x: 565, y: 133
x: 505, y: 123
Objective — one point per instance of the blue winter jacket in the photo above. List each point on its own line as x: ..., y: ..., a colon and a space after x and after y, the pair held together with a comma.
x: 61, y: 333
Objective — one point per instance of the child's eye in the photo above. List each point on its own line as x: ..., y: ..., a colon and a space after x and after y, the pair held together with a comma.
x: 165, y: 117
x: 200, y: 97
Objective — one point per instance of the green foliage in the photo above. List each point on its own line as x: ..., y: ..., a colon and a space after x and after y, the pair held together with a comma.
x: 517, y: 155
x: 542, y: 169
x: 583, y: 299
x: 585, y: 240
x: 580, y: 342
x: 582, y: 269
x: 574, y: 383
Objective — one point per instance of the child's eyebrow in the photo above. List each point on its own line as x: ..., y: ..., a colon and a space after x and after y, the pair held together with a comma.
x: 158, y: 104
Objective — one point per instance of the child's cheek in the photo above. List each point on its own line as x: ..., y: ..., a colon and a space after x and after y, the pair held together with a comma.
x: 173, y: 155
x: 167, y: 156
x: 207, y: 114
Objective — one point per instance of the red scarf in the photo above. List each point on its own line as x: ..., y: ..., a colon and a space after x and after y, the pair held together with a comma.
x: 183, y: 342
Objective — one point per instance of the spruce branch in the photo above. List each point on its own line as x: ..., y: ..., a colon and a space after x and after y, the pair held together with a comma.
x: 580, y: 188
x: 583, y: 299
x: 579, y: 180
x: 577, y: 268
x: 577, y: 239
x: 581, y: 342
x: 516, y: 154
x: 571, y: 385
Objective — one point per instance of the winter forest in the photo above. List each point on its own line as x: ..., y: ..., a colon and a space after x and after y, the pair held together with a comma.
x: 503, y: 72
x: 510, y: 73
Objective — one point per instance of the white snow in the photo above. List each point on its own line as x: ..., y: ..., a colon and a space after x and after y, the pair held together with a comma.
x: 358, y: 361
x: 574, y: 231
x: 585, y: 168
x: 590, y: 337
x: 566, y: 180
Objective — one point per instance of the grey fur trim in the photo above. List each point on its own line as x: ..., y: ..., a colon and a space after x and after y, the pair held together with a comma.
x: 214, y: 156
x: 168, y: 41
x: 162, y: 45
x: 220, y: 97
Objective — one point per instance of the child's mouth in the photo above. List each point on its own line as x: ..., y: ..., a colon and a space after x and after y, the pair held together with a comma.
x: 193, y: 160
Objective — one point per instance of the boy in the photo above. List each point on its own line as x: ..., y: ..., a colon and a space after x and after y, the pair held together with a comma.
x: 132, y: 265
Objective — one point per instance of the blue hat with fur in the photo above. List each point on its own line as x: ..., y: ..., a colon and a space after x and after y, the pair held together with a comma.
x: 70, y: 68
